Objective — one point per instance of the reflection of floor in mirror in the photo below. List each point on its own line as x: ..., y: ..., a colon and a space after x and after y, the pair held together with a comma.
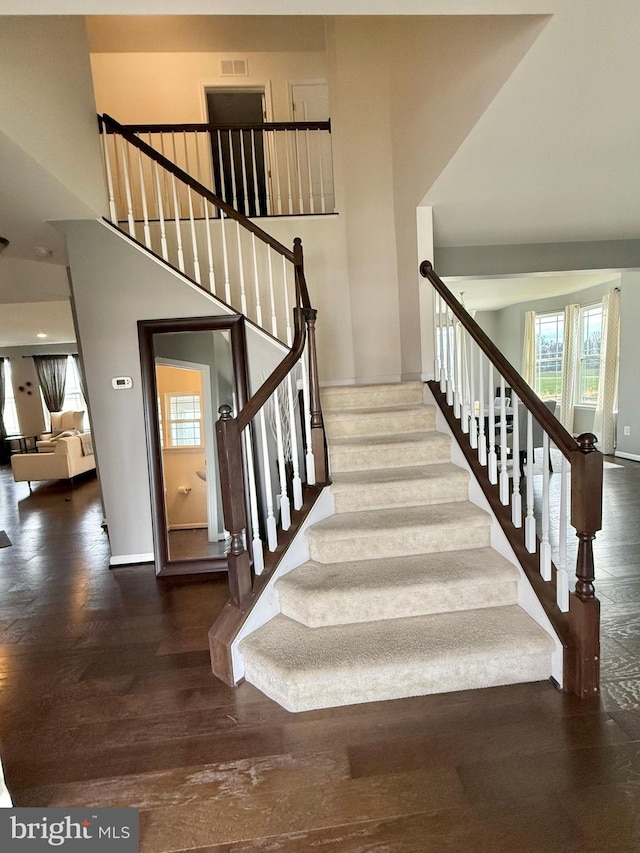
x: 192, y: 543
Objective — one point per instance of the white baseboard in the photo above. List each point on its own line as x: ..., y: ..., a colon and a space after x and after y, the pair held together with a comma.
x: 634, y: 457
x: 131, y: 559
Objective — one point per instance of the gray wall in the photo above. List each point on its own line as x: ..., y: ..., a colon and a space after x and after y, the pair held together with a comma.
x: 628, y: 383
x: 115, y: 284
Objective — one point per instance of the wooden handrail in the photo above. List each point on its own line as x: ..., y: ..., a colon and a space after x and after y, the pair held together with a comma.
x: 563, y: 440
x: 207, y: 128
x: 230, y: 212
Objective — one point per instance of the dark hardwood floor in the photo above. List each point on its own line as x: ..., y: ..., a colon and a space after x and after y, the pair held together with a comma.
x: 107, y: 699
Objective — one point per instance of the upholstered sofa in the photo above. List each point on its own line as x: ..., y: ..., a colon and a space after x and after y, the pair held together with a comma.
x: 60, y: 422
x: 64, y: 462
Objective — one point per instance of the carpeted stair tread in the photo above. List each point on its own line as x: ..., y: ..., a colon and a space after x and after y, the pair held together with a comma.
x: 399, y: 531
x: 356, y: 453
x: 342, y: 397
x: 304, y: 668
x: 376, y: 421
x: 386, y: 487
x: 368, y: 590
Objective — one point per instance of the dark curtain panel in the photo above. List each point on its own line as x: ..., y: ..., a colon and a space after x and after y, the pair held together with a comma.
x: 52, y: 373
x: 4, y: 449
x: 80, y: 372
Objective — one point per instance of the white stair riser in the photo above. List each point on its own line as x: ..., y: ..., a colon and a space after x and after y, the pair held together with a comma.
x: 344, y: 608
x: 362, y: 397
x: 367, y: 459
x: 336, y: 688
x: 353, y: 497
x: 397, y: 543
x: 394, y: 422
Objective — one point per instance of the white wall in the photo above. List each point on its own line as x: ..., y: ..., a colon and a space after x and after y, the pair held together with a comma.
x: 46, y: 101
x: 115, y: 284
x: 628, y: 396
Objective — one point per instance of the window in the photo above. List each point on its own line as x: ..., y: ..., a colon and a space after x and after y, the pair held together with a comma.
x: 73, y: 398
x: 589, y: 354
x: 10, y: 413
x: 185, y: 420
x: 548, y: 362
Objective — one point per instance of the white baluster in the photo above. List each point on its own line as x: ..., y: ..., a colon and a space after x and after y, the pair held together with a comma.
x: 444, y: 325
x: 272, y: 297
x: 297, y: 482
x: 504, y: 475
x: 465, y: 412
x: 256, y: 544
x: 107, y: 164
x: 276, y: 172
x: 516, y: 497
x: 436, y: 335
x: 272, y: 532
x: 530, y: 521
x: 306, y: 398
x: 312, y: 204
x: 174, y: 159
x: 127, y: 188
x: 256, y: 278
x: 492, y: 461
x: 441, y: 346
x: 145, y: 209
x: 207, y: 225
x: 562, y: 576
x: 545, y: 545
x: 225, y: 258
x: 233, y: 172
x: 450, y: 358
x: 255, y: 174
x: 279, y: 409
x: 243, y: 293
x: 176, y: 213
x: 482, y: 436
x: 323, y: 201
x: 287, y: 312
x: 163, y: 231
x: 289, y: 196
x: 473, y: 424
x: 194, y: 238
x: 457, y: 369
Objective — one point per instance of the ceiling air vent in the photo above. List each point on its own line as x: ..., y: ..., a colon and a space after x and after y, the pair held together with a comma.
x: 233, y: 68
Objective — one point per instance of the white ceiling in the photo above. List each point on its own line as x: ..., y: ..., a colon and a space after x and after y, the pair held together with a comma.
x: 22, y: 321
x: 491, y: 294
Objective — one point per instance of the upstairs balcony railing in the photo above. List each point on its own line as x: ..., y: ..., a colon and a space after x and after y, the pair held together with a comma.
x: 500, y: 421
x: 269, y: 169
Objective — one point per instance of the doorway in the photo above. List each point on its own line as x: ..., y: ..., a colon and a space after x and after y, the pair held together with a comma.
x: 238, y: 154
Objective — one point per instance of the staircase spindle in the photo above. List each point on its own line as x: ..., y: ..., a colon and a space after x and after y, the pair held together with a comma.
x: 288, y: 161
x: 257, y: 550
x: 276, y: 172
x: 107, y: 164
x: 310, y: 465
x: 516, y: 497
x: 473, y: 424
x: 255, y: 174
x: 482, y: 436
x: 562, y: 577
x: 492, y: 459
x: 545, y: 545
x: 234, y: 188
x: 272, y: 297
x: 164, y: 249
x: 243, y: 293
x: 451, y: 371
x: 272, y: 532
x: 225, y: 257
x: 176, y: 214
x: 145, y: 209
x: 464, y: 423
x: 312, y: 204
x: 207, y: 225
x: 256, y: 279
x: 245, y: 181
x: 530, y: 521
x: 279, y: 403
x: 504, y: 476
x: 194, y: 238
x: 127, y: 188
x: 323, y: 201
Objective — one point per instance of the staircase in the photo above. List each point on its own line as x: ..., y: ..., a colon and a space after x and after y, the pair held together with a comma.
x: 403, y: 594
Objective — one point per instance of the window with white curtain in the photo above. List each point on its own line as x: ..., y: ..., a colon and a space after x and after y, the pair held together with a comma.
x: 589, y: 358
x: 73, y: 398
x: 10, y: 412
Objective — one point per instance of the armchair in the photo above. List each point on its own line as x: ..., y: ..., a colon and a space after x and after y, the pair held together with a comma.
x: 60, y: 422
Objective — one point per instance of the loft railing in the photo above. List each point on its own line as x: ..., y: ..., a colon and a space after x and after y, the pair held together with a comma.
x: 269, y: 169
x: 271, y: 452
x: 473, y: 380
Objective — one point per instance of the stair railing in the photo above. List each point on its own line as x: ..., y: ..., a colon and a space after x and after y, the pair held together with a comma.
x: 267, y: 169
x: 496, y: 431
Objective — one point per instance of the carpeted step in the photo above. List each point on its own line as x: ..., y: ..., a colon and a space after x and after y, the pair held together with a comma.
x: 370, y: 590
x: 398, y: 532
x: 305, y: 668
x: 388, y: 451
x: 337, y: 398
x: 388, y: 487
x: 361, y: 422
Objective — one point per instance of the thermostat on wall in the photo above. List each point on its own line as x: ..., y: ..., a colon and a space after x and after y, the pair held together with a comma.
x: 121, y: 382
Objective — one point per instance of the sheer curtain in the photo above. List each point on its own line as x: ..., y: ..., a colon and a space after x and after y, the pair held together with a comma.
x: 569, y: 365
x: 604, y: 422
x: 529, y: 349
x: 52, y: 374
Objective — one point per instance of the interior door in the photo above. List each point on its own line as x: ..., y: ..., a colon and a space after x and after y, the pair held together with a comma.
x: 238, y: 155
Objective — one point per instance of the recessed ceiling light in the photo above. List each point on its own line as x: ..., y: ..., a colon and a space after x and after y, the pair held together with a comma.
x: 42, y: 335
x: 42, y: 252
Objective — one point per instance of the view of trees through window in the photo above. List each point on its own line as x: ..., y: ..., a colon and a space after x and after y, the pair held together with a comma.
x: 550, y: 342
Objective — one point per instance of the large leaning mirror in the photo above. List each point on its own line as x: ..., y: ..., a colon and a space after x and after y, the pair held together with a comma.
x: 190, y: 368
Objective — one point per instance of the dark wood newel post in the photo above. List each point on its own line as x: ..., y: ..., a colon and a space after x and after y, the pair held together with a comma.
x: 318, y: 443
x: 233, y: 504
x: 584, y: 610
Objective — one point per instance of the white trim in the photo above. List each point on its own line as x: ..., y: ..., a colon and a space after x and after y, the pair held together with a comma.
x: 634, y: 457
x: 200, y: 525
x: 130, y: 559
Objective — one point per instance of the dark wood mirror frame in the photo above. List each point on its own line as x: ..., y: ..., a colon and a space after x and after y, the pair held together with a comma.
x: 234, y: 324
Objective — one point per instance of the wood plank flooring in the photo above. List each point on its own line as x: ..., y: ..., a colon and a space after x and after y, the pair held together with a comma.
x: 107, y: 699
